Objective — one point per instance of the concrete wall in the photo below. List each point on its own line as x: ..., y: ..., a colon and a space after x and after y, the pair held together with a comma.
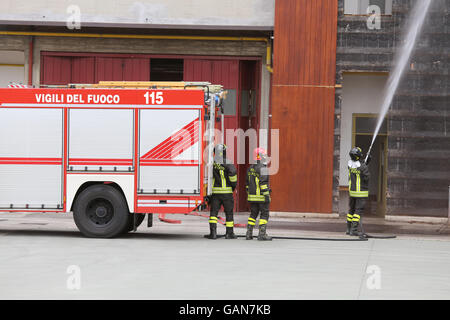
x: 251, y: 14
x: 11, y: 74
x: 12, y: 69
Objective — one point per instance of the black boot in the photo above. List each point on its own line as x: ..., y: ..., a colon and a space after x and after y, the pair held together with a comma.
x: 349, y: 227
x: 354, y: 229
x: 212, y: 231
x: 262, y: 233
x: 249, y: 235
x: 230, y: 234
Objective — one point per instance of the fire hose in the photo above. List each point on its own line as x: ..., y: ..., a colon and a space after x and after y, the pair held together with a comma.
x: 362, y: 235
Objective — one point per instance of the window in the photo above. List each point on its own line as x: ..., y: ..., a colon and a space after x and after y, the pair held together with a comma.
x: 360, y: 6
x: 166, y: 69
x: 229, y: 103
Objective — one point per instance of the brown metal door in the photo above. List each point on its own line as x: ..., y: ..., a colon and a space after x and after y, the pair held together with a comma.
x: 226, y: 73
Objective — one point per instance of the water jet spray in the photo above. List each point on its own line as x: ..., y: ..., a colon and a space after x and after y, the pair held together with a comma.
x: 414, y: 26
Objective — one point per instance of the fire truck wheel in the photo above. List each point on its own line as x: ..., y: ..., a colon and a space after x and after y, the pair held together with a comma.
x: 139, y: 218
x: 101, y: 211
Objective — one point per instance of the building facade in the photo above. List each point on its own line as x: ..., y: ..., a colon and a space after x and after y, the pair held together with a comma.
x: 411, y: 167
x: 314, y: 70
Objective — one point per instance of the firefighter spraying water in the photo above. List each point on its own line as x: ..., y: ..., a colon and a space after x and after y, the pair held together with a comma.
x: 358, y: 188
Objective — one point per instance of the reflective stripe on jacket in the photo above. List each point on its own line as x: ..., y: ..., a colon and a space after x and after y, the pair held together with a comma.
x: 224, y: 178
x: 358, y: 179
x: 257, y: 184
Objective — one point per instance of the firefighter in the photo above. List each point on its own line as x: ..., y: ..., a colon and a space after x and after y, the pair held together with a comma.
x: 223, y: 186
x: 258, y: 195
x: 358, y: 187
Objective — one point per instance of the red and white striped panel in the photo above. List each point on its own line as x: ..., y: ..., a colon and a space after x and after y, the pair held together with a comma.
x: 169, y: 152
x: 166, y: 152
x: 17, y: 86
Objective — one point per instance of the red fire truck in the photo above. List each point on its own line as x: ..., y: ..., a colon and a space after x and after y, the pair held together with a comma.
x: 110, y: 153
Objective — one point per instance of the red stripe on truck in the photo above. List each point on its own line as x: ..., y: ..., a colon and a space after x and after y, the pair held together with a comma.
x: 31, y: 161
x: 98, y: 162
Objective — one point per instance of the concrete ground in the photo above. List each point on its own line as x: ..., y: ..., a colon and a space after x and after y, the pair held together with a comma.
x: 43, y: 256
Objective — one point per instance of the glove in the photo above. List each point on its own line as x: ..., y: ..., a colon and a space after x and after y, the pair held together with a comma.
x: 207, y: 200
x: 369, y: 158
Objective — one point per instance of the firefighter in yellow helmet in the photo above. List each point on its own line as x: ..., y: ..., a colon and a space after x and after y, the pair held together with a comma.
x: 358, y: 187
x: 258, y: 192
x: 223, y: 186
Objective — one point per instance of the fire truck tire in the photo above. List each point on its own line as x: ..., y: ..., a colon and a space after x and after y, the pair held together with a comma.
x: 139, y: 219
x: 100, y: 211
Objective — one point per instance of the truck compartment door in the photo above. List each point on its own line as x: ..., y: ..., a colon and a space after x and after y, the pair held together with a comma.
x: 101, y: 140
x: 31, y: 152
x: 170, y: 152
